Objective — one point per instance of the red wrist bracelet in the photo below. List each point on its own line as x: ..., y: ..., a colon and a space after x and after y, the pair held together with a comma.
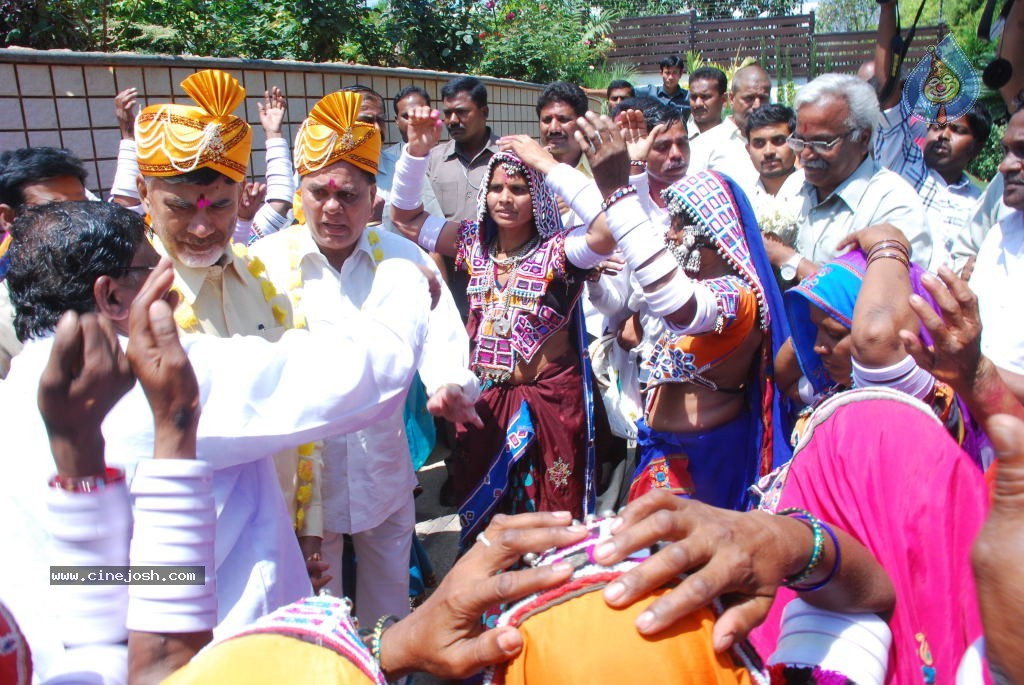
x: 87, y: 483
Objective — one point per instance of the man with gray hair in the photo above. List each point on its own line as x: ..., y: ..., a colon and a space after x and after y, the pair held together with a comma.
x: 845, y: 188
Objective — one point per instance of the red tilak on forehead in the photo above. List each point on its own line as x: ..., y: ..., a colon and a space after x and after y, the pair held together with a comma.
x: 331, y: 184
x: 202, y: 202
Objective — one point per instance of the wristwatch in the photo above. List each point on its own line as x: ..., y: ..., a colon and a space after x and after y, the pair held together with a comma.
x: 788, y: 269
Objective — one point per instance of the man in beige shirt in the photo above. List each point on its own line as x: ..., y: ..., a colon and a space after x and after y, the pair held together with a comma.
x: 457, y: 168
x: 193, y: 161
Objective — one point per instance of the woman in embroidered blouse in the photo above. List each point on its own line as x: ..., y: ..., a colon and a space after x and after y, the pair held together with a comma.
x: 526, y: 277
x: 846, y: 321
x: 712, y: 418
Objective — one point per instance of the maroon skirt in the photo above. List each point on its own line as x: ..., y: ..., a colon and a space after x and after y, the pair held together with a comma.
x: 552, y: 474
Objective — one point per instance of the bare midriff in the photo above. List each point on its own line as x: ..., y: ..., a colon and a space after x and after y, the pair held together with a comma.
x: 692, y: 408
x: 553, y: 348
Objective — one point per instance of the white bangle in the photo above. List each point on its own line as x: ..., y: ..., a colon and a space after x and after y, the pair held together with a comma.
x: 430, y: 231
x: 670, y: 297
x: 127, y: 173
x: 579, y: 252
x: 175, y: 524
x: 625, y: 216
x: 805, y: 389
x: 280, y: 175
x: 705, y: 313
x: 90, y: 529
x: 655, y: 269
x: 407, y: 183
x: 579, y: 192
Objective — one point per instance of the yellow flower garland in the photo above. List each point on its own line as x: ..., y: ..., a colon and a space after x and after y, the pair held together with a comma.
x: 185, y: 317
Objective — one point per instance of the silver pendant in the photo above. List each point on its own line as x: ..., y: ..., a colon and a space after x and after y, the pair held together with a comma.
x: 502, y: 325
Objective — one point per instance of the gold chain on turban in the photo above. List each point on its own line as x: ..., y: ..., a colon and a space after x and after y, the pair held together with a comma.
x: 332, y: 133
x: 176, y: 139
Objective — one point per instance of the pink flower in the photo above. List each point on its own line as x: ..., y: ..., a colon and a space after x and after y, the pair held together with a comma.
x: 490, y: 4
x: 510, y: 16
x: 587, y: 43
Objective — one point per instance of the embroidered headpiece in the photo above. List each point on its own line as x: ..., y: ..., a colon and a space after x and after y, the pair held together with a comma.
x: 706, y: 198
x: 546, y: 216
x: 333, y: 133
x: 555, y: 622
x: 176, y: 139
x: 312, y: 640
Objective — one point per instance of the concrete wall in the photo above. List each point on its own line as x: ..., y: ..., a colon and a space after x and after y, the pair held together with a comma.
x: 65, y: 99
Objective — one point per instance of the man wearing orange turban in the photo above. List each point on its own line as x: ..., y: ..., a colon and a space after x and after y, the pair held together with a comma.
x: 368, y: 479
x: 193, y: 161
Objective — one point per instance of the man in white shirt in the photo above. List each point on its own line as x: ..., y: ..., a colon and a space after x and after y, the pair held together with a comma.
x: 723, y: 148
x: 776, y: 198
x: 938, y: 171
x: 845, y: 190
x: 257, y: 398
x: 707, y: 99
x: 998, y: 276
x: 367, y: 479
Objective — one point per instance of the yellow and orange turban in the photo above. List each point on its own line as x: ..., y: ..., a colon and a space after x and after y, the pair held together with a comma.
x: 332, y: 133
x: 175, y: 139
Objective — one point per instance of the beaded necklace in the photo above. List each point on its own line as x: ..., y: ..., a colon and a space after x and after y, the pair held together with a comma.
x: 497, y: 317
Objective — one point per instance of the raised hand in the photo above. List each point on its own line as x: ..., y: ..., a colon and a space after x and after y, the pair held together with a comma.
x: 528, y: 150
x: 444, y: 636
x: 633, y: 128
x: 955, y: 356
x: 124, y: 111
x: 272, y: 111
x: 605, y: 149
x: 251, y: 199
x: 424, y: 130
x: 163, y: 368
x: 86, y: 375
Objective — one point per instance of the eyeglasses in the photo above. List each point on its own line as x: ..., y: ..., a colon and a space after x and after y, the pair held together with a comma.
x: 132, y: 269
x: 819, y: 147
x: 776, y: 141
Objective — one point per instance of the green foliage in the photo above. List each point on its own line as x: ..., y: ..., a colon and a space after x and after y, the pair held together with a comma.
x: 986, y: 164
x: 599, y: 77
x: 544, y: 41
x: 834, y: 16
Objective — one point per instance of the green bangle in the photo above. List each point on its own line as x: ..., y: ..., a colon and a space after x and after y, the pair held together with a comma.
x: 383, y: 623
x: 817, y: 551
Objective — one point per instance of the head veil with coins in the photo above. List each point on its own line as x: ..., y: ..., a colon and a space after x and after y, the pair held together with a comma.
x: 546, y: 217
x: 719, y: 216
x: 333, y: 133
x: 174, y: 140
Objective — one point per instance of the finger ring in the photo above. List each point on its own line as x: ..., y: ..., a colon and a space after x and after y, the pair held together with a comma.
x: 482, y: 539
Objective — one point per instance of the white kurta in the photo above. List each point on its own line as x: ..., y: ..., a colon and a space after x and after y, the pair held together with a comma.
x: 724, y: 149
x: 258, y: 398
x: 998, y: 280
x: 367, y: 474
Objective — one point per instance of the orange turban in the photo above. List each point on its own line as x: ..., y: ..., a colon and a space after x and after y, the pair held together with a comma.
x: 332, y: 133
x: 176, y: 139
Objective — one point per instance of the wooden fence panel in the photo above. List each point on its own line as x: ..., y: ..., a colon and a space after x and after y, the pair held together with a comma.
x: 780, y: 44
